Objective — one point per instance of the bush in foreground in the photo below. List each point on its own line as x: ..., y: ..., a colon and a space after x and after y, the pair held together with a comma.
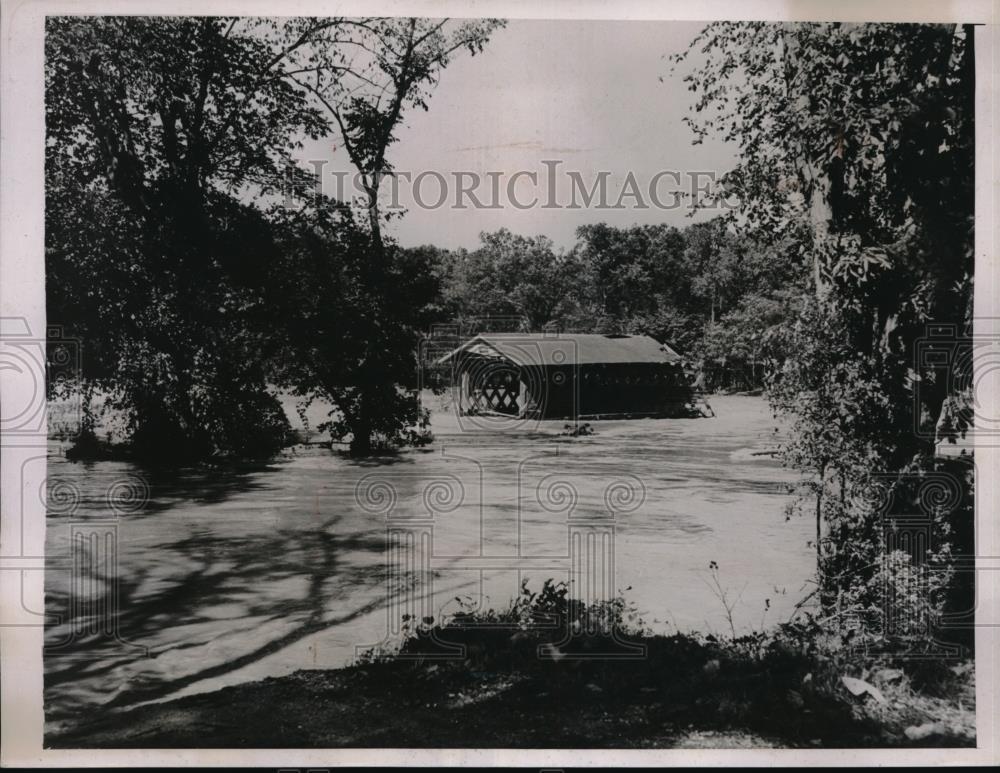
x: 792, y: 683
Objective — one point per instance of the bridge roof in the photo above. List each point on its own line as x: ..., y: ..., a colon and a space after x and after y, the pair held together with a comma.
x: 527, y: 349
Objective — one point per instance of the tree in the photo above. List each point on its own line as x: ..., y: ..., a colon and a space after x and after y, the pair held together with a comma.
x: 319, y: 294
x: 857, y: 148
x: 167, y: 141
x: 514, y: 277
x: 365, y: 80
x: 714, y: 260
x: 157, y: 128
x: 749, y: 288
x: 631, y: 267
x: 747, y: 343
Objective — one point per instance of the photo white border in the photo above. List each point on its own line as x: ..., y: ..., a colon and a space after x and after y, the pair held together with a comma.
x: 22, y: 295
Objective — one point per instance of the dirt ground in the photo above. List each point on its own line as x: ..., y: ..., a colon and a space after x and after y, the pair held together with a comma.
x: 404, y: 705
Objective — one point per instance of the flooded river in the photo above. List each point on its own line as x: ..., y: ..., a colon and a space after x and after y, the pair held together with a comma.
x: 189, y: 581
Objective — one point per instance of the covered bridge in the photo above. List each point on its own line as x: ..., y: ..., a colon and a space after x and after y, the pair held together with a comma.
x: 561, y: 375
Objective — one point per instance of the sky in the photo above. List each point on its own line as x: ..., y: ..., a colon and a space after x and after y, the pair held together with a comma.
x: 585, y: 94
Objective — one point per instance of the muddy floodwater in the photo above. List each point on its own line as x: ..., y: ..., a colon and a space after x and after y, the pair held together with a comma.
x: 189, y: 581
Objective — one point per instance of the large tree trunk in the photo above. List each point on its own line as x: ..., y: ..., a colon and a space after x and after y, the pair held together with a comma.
x: 373, y: 275
x: 815, y: 181
x: 361, y: 440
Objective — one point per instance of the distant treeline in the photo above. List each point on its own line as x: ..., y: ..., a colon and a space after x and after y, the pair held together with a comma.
x: 715, y: 298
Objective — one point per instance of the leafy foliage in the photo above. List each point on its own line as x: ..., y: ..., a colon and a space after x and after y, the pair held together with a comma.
x: 510, y: 276
x: 365, y: 84
x: 856, y: 150
x: 553, y: 650
x: 155, y: 129
x: 167, y: 139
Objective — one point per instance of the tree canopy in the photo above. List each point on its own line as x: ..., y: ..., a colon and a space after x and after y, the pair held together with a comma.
x: 168, y: 140
x: 857, y: 150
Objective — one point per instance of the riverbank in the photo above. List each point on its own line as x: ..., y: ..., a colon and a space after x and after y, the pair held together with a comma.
x: 492, y: 680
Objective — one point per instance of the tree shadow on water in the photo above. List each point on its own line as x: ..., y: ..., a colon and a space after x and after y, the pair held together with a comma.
x: 205, y: 486
x: 259, y: 593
